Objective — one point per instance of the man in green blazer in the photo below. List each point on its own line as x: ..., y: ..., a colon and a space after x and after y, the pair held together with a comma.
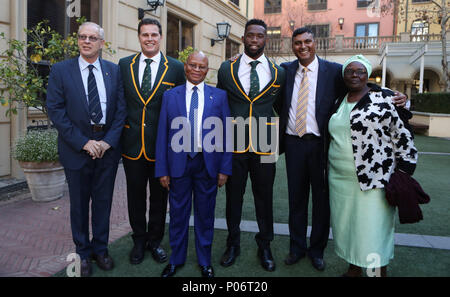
x: 254, y: 85
x: 146, y: 76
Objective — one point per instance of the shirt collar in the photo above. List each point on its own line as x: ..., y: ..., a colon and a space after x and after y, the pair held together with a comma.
x: 156, y: 58
x: 312, y: 66
x: 190, y: 85
x: 84, y: 64
x: 247, y: 59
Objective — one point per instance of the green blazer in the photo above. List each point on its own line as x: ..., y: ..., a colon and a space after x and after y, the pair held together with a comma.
x: 139, y: 133
x: 258, y: 112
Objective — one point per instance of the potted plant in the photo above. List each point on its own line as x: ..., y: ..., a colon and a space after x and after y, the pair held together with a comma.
x: 24, y: 71
x: 37, y: 154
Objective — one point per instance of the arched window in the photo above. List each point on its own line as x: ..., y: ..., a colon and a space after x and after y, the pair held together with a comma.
x: 419, y: 30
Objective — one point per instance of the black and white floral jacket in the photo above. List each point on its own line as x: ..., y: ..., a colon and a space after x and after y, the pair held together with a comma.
x: 380, y: 140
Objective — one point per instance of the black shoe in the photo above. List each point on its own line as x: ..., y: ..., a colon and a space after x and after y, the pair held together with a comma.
x: 318, y: 263
x: 137, y: 254
x: 170, y: 270
x: 86, y: 268
x: 158, y: 254
x: 104, y: 262
x: 267, y: 262
x: 207, y: 271
x: 230, y: 256
x: 292, y: 258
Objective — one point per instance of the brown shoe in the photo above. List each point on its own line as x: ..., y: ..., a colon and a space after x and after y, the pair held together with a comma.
x: 104, y: 262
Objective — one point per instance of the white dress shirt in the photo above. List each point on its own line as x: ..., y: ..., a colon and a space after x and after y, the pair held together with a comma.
x: 154, y: 66
x: 263, y: 70
x: 97, y: 71
x: 311, y: 122
x: 201, y: 104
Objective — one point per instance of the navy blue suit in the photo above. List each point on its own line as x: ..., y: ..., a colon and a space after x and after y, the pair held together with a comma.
x: 197, y: 176
x: 306, y: 161
x: 87, y: 179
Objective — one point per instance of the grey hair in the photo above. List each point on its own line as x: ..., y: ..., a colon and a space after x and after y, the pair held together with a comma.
x: 101, y: 32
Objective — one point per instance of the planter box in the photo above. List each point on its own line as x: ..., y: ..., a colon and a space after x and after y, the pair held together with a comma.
x: 45, y: 180
x: 433, y: 124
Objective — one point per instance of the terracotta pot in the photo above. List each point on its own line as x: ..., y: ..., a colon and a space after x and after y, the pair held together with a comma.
x: 45, y: 180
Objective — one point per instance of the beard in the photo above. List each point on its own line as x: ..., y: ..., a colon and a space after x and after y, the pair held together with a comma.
x: 252, y: 53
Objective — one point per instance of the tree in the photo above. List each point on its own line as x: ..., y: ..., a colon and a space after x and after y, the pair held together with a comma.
x: 22, y: 82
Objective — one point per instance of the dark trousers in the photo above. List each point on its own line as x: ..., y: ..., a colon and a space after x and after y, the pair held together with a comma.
x: 139, y: 174
x: 198, y: 186
x: 305, y: 165
x: 94, y: 181
x: 262, y: 176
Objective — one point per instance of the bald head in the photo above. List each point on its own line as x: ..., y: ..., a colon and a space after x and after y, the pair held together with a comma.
x: 196, y: 67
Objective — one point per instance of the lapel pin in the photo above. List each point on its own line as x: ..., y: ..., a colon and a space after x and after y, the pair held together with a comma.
x: 210, y: 97
x: 107, y: 73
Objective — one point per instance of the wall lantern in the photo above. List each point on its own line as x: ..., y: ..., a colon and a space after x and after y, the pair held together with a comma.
x: 153, y: 6
x: 292, y: 25
x: 223, y: 30
x: 341, y: 22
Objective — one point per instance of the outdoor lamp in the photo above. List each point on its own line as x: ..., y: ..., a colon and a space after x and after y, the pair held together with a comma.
x: 153, y: 6
x: 223, y: 30
x: 292, y: 25
x: 341, y: 22
x: 377, y: 79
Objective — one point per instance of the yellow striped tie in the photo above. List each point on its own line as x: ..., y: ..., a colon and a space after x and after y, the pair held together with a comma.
x: 302, y: 104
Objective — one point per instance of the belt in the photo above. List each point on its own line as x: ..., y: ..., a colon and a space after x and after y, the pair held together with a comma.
x: 308, y: 136
x: 97, y: 128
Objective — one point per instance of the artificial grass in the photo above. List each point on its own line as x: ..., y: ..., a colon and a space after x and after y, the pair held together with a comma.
x: 408, y: 261
x: 431, y: 144
x: 432, y: 173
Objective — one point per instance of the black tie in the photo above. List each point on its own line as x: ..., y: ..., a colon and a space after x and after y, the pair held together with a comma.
x: 95, y: 110
x: 147, y: 80
x: 254, y: 80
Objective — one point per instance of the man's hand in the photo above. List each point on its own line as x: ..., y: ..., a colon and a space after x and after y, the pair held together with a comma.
x: 400, y: 99
x: 104, y: 146
x: 165, y: 181
x: 221, y: 179
x: 93, y: 148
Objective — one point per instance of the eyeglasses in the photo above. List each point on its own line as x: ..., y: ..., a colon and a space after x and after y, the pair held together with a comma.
x: 90, y: 38
x: 351, y: 72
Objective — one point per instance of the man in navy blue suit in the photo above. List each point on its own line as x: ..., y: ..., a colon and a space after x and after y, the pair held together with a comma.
x: 312, y: 86
x: 192, y: 161
x: 86, y: 105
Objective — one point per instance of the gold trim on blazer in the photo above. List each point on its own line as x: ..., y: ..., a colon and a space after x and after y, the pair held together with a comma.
x: 251, y: 104
x: 145, y: 104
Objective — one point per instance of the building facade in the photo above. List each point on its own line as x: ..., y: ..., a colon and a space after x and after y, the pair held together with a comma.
x: 185, y: 23
x: 347, y: 27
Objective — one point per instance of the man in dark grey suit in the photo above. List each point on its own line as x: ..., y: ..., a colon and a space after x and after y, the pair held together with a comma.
x: 85, y: 103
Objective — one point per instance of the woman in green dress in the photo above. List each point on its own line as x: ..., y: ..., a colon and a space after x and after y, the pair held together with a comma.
x: 368, y: 141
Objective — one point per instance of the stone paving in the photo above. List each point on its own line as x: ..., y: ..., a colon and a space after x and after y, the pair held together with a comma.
x: 35, y: 238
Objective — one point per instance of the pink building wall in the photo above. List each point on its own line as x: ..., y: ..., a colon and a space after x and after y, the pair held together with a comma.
x: 347, y: 9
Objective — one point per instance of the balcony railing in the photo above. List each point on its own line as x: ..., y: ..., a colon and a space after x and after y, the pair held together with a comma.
x: 282, y: 45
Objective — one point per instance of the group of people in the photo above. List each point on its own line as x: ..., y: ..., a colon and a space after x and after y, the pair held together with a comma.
x: 341, y: 136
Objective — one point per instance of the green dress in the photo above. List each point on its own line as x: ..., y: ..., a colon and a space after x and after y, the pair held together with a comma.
x: 362, y: 222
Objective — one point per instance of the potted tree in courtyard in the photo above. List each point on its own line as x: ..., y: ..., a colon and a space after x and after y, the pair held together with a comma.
x: 24, y: 72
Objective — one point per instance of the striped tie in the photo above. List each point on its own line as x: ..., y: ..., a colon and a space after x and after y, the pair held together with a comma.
x: 146, y: 85
x: 95, y: 109
x: 254, y: 80
x: 302, y: 104
x: 193, y: 113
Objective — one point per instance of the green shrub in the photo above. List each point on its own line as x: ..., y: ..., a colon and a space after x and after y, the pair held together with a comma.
x: 431, y: 102
x: 37, y: 146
